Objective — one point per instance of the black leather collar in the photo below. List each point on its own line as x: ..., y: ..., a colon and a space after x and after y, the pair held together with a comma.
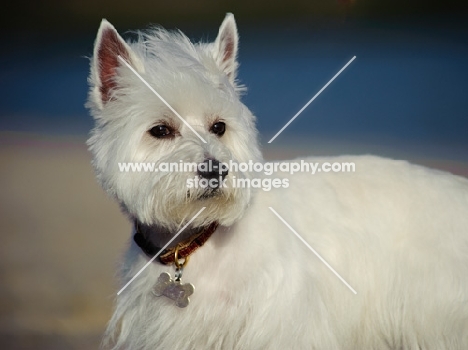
x: 185, y: 248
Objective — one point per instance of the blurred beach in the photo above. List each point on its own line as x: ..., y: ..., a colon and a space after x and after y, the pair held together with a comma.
x: 60, y: 240
x: 404, y: 97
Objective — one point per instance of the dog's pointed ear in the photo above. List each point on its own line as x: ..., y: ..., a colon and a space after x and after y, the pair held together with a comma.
x: 108, y: 46
x: 225, y: 47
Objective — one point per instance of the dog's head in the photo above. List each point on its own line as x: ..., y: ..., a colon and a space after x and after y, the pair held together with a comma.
x: 135, y: 125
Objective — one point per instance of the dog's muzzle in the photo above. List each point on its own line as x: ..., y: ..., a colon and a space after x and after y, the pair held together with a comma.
x: 213, y: 172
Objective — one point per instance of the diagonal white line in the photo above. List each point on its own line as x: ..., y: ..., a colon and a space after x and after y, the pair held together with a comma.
x: 313, y: 251
x: 312, y: 99
x: 162, y: 249
x: 161, y: 98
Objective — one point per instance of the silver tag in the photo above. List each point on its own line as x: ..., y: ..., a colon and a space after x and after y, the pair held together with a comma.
x: 173, y: 289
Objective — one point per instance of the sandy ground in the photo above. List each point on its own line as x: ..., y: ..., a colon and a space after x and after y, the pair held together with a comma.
x: 61, y: 238
x: 60, y: 241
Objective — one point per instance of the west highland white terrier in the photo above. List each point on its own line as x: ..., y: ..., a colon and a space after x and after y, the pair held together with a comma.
x: 394, y: 233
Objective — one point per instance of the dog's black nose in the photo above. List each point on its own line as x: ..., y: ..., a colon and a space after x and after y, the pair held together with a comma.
x: 212, y: 169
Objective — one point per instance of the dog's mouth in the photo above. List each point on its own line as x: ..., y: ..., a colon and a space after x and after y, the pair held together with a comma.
x: 210, y: 193
x: 206, y: 194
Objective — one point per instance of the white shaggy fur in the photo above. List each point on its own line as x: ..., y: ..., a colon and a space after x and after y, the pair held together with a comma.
x: 398, y: 233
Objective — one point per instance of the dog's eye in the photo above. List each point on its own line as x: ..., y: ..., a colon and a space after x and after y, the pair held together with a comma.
x: 161, y: 131
x: 218, y: 128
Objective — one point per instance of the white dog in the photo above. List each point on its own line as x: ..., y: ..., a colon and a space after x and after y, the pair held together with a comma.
x: 395, y: 232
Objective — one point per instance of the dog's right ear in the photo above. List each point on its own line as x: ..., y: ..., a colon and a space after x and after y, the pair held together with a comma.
x: 107, y: 47
x: 225, y: 47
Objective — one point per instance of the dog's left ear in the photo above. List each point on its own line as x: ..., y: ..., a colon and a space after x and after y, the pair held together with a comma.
x: 225, y: 47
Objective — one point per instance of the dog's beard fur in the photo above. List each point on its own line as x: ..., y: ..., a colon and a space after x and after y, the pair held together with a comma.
x: 397, y: 231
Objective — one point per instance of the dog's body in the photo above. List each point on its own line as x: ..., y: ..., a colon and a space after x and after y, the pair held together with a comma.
x: 398, y: 233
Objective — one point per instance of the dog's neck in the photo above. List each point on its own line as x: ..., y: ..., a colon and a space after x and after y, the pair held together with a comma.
x: 151, y: 239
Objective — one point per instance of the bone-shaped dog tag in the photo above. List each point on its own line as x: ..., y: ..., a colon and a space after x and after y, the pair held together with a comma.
x: 173, y: 289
